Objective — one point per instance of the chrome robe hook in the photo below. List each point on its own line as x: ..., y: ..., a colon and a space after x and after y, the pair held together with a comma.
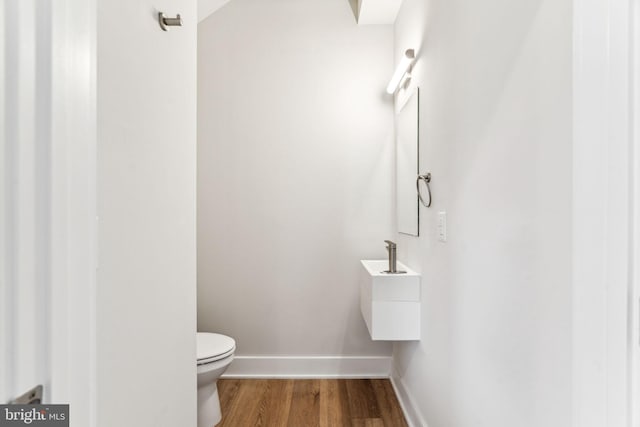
x: 169, y: 22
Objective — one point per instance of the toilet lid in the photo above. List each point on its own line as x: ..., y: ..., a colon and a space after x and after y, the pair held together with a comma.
x: 212, y: 347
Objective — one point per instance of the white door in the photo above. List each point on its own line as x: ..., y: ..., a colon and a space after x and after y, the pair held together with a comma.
x: 26, y: 195
x: 47, y: 201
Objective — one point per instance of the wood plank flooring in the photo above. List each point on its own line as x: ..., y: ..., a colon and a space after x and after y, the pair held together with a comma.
x: 309, y: 403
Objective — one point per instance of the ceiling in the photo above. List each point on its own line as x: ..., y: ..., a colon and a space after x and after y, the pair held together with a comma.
x: 207, y: 7
x: 368, y: 12
x: 374, y: 12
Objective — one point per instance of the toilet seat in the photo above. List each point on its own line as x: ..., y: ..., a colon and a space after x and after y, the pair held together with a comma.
x: 212, y: 347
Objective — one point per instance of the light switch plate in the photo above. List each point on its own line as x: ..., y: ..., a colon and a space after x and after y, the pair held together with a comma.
x: 442, y: 226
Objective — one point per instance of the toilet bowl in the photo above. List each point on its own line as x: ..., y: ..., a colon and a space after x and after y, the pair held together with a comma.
x: 215, y: 353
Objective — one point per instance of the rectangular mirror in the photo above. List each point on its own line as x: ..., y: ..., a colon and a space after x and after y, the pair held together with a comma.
x: 407, y: 167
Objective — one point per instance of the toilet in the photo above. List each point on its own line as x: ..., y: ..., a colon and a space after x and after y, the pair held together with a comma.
x: 215, y: 353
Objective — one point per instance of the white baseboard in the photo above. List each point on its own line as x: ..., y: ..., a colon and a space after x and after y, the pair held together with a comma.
x: 309, y: 367
x: 411, y: 410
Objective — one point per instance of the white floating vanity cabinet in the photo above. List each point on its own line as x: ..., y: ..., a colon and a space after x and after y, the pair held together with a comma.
x: 390, y: 303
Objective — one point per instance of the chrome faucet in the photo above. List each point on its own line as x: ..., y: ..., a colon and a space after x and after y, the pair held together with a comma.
x: 393, y: 268
x: 391, y: 248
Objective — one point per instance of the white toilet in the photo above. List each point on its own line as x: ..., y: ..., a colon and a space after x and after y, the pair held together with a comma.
x: 215, y: 353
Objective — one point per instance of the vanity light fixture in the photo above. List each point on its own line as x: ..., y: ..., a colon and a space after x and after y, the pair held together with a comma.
x: 404, y: 67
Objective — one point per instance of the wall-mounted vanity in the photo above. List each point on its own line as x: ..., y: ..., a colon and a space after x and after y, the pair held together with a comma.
x: 390, y: 303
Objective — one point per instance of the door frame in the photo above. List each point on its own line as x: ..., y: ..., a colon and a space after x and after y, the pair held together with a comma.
x: 605, y: 195
x: 634, y: 291
x: 73, y: 204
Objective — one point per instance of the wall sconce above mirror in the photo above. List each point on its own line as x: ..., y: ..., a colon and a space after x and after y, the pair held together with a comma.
x: 403, y: 71
x: 407, y: 164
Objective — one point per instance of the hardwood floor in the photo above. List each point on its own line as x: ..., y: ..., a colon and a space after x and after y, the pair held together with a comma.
x: 309, y: 403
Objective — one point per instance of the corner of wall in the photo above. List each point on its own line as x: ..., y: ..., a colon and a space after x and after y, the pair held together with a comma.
x: 410, y: 408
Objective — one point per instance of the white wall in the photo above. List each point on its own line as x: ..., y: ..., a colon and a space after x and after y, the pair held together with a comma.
x: 496, y: 136
x: 295, y: 144
x: 146, y: 280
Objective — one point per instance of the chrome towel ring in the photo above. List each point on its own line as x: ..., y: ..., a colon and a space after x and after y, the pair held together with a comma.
x: 427, y: 179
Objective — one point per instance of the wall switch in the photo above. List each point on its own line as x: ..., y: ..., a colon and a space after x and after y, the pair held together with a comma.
x: 442, y: 226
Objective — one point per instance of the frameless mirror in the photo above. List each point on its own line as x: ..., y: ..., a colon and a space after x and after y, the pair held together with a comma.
x: 407, y: 164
